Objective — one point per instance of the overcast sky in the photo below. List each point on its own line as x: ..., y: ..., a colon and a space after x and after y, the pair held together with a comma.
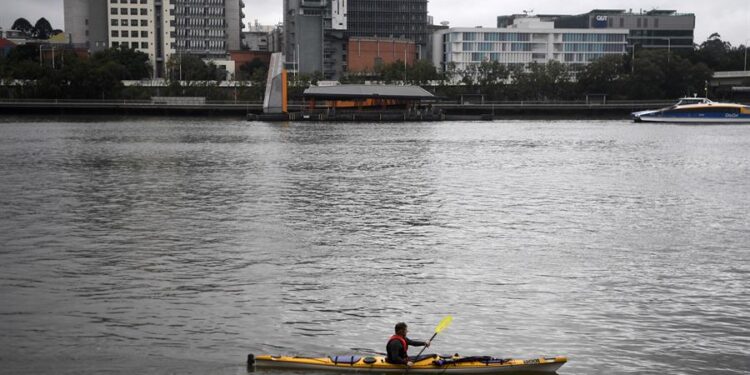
x: 730, y: 18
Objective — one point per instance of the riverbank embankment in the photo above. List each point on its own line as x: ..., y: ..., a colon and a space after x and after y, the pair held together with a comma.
x: 452, y: 110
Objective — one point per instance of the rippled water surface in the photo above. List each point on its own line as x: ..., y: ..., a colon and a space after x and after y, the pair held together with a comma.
x: 182, y: 245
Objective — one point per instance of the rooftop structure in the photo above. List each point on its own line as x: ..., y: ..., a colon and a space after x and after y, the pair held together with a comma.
x: 648, y: 29
x: 368, y: 92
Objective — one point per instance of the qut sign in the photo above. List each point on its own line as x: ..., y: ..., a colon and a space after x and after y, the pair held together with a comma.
x: 600, y: 22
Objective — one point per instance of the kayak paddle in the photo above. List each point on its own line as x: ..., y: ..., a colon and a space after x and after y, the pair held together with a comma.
x: 443, y: 325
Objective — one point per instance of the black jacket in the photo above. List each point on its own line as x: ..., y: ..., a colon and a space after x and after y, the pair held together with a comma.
x: 396, y: 352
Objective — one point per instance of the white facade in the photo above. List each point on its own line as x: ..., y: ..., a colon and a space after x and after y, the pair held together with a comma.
x: 527, y: 41
x: 207, y: 28
x: 131, y: 24
x: 338, y: 14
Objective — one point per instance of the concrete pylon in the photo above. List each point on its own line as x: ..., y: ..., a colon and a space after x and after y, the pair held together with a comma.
x: 275, y: 100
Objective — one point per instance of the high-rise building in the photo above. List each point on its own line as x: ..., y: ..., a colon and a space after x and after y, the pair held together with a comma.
x: 159, y: 28
x: 86, y: 23
x: 405, y: 19
x: 649, y: 29
x: 314, y: 38
x: 316, y: 31
x: 131, y: 24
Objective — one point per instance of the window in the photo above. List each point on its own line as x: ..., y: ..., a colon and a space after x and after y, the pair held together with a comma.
x: 144, y: 11
x: 645, y: 22
x: 144, y: 45
x: 114, y: 22
x: 622, y: 22
x: 144, y: 34
x: 638, y: 23
x: 134, y: 1
x: 115, y: 34
x: 113, y: 1
x: 113, y: 11
x: 144, y: 23
x: 123, y: 10
x: 115, y: 44
x: 125, y: 22
x: 656, y: 23
x: 133, y: 11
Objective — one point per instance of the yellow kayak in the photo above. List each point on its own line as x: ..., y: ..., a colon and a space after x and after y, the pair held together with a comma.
x: 428, y: 364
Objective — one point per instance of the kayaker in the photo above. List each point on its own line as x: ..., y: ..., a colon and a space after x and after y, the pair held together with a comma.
x: 398, y: 346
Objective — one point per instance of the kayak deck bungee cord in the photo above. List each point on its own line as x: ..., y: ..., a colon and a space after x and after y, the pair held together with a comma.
x: 426, y: 364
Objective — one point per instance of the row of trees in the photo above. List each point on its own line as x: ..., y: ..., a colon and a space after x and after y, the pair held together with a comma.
x: 33, y: 72
x: 650, y: 74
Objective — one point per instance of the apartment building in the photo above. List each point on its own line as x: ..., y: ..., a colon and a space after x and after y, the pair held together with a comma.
x: 132, y: 24
x: 159, y: 28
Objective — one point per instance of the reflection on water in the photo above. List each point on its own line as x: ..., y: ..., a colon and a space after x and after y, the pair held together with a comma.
x: 180, y: 246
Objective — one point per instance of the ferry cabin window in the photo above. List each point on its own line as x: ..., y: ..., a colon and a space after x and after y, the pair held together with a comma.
x: 704, y: 110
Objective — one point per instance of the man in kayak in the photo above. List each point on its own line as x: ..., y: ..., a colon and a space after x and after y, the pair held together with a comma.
x: 398, y: 346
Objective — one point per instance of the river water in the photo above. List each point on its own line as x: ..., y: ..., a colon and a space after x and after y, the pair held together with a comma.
x: 181, y: 245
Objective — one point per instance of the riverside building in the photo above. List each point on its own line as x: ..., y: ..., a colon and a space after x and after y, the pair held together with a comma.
x: 314, y: 36
x: 317, y: 32
x: 399, y: 19
x: 650, y: 29
x: 527, y: 40
x: 159, y: 28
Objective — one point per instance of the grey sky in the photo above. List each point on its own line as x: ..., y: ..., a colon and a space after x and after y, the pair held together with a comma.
x: 730, y: 18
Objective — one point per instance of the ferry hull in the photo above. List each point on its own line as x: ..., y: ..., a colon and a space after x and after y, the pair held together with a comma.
x: 693, y: 120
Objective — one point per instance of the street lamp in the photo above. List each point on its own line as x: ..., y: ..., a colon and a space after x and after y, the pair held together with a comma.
x: 632, y: 64
x: 669, y: 48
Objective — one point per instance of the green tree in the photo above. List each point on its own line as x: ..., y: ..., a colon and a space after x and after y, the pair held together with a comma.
x: 393, y: 72
x: 135, y: 63
x: 491, y: 76
x: 719, y: 55
x: 551, y: 81
x: 648, y: 77
x: 248, y: 69
x: 421, y: 72
x: 603, y: 76
x: 193, y: 68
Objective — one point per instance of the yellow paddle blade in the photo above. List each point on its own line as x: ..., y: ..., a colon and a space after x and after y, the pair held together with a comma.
x: 444, y: 324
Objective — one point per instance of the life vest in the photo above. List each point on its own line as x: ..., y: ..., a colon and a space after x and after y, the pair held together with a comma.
x: 403, y: 342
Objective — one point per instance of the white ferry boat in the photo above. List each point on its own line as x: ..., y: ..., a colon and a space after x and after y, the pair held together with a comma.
x: 696, y: 111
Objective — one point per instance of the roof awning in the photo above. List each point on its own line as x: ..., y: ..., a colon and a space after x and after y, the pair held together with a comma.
x: 342, y: 92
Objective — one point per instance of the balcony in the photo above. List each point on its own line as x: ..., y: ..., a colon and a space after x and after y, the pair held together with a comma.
x: 313, y: 3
